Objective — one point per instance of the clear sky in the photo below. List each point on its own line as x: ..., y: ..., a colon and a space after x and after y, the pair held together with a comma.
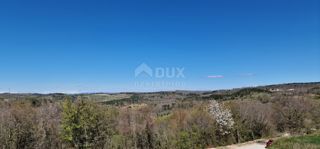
x: 93, y: 46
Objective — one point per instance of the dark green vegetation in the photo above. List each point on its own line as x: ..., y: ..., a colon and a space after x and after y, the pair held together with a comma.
x: 301, y: 142
x: 180, y: 119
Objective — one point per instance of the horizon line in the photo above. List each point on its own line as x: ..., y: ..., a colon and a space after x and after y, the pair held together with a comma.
x: 176, y: 90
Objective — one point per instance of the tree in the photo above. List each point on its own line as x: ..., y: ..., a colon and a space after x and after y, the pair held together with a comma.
x: 84, y: 125
x: 222, y: 116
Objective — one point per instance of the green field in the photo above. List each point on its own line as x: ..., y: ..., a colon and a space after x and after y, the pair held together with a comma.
x: 301, y: 142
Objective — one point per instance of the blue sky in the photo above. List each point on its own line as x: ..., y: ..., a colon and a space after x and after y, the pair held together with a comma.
x: 93, y: 46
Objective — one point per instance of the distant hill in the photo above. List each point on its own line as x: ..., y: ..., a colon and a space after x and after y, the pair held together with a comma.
x: 311, y: 89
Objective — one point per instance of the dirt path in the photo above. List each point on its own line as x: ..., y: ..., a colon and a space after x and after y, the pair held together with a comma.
x: 258, y: 144
x: 247, y: 146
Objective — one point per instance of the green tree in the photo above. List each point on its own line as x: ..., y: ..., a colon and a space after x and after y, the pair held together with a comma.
x: 84, y: 125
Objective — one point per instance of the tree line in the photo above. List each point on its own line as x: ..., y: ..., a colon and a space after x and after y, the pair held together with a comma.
x: 83, y: 124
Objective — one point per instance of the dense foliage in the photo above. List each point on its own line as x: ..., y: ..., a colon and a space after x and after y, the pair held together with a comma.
x: 185, y: 123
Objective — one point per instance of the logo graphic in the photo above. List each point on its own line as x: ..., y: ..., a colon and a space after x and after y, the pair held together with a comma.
x: 159, y: 72
x: 143, y: 69
x: 159, y: 78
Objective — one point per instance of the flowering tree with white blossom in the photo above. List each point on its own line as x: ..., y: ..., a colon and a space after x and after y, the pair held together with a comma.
x: 222, y: 116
